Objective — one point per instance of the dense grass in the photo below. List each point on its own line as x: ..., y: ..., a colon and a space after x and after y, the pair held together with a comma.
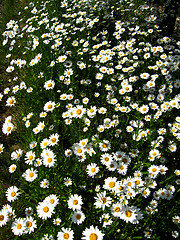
x: 98, y: 83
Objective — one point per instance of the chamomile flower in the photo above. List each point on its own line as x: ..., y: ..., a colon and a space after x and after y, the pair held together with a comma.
x: 44, y: 183
x: 44, y: 143
x: 7, y: 128
x: 30, y: 224
x: 28, y: 211
x: 176, y: 219
x: 49, y: 106
x: 110, y: 183
x: 12, y: 193
x: 29, y: 157
x: 105, y: 146
x: 66, y: 233
x: 18, y: 226
x: 45, y: 210
x: 57, y: 221
x: 129, y: 214
x: 75, y: 202
x: 12, y: 168
x: 175, y: 234
x: 92, y: 233
x: 30, y: 175
x: 52, y: 199
x: 102, y: 200
x: 53, y: 139
x: 67, y: 181
x: 10, y: 101
x: 106, y: 219
x: 49, y: 84
x: 3, y: 217
x: 78, y: 217
x: 92, y: 169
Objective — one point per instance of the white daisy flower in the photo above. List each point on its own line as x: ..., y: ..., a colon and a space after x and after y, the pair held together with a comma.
x: 116, y: 209
x: 12, y: 193
x: 45, y: 210
x: 75, y: 202
x: 30, y: 224
x: 52, y: 199
x: 66, y: 233
x: 3, y: 217
x: 49, y: 106
x: 18, y: 226
x: 49, y: 84
x: 44, y: 183
x: 102, y: 200
x: 53, y: 139
x: 30, y: 175
x: 92, y: 233
x: 92, y: 169
x: 7, y: 128
x: 57, y: 221
x: 78, y: 217
x: 10, y: 101
x: 12, y: 168
x: 128, y: 214
x: 110, y: 183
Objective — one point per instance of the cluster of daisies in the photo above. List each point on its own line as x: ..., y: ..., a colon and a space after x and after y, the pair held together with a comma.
x: 110, y: 92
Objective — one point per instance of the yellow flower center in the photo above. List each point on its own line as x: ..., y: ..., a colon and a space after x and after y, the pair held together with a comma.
x: 49, y: 106
x: 1, y: 217
x: 128, y: 213
x: 9, y: 129
x: 93, y: 236
x: 28, y: 211
x: 12, y: 169
x: 11, y: 101
x: 104, y: 200
x: 75, y: 202
x: 66, y: 236
x: 104, y: 145
x: 30, y: 157
x: 45, y: 209
x: 154, y: 170
x: 79, y: 150
x: 49, y: 84
x: 13, y: 194
x: 116, y: 209
x: 29, y: 224
x: 19, y: 226
x: 106, y: 159
x: 137, y: 182
x: 78, y: 216
x: 112, y: 184
x: 31, y: 175
x: 78, y: 112
x: 49, y: 160
x: 51, y: 201
x: 53, y: 140
x: 93, y: 170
